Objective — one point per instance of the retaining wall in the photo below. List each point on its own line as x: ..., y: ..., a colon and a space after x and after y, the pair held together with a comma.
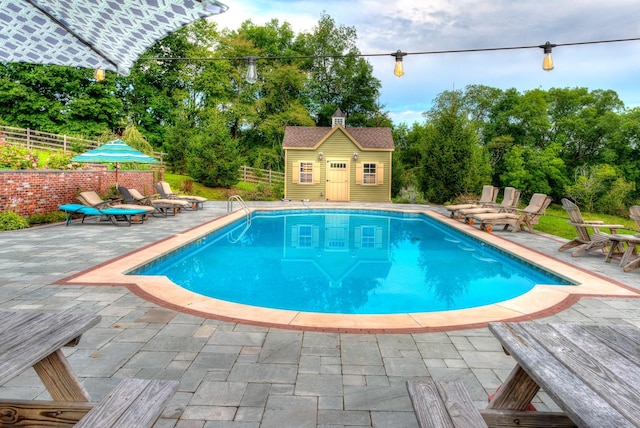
x: 42, y: 191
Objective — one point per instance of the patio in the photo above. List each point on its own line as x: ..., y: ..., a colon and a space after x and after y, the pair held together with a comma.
x: 234, y: 375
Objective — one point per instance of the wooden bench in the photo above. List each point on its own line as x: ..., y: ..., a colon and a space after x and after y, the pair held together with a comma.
x: 132, y: 403
x: 443, y: 404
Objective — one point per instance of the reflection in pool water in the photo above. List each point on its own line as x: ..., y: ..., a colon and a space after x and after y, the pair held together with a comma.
x: 349, y: 262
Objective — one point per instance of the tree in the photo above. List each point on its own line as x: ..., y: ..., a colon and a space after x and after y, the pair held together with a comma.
x: 58, y: 99
x: 177, y: 138
x: 599, y: 186
x: 339, y: 77
x: 213, y: 158
x: 584, y: 122
x: 452, y: 159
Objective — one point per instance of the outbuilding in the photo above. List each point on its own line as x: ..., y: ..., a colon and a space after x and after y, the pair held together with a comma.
x: 338, y: 163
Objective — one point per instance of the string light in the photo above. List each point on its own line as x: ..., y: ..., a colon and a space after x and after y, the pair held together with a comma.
x: 252, y: 75
x: 398, y: 70
x: 547, y: 61
x: 99, y: 74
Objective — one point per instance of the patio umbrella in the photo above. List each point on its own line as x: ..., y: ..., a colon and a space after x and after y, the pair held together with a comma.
x: 115, y: 151
x: 108, y: 35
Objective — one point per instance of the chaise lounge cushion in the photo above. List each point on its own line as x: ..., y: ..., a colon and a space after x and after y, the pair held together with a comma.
x: 117, y: 216
x: 164, y: 189
x: 92, y: 199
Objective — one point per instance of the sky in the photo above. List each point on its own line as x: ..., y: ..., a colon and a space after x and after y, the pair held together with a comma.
x: 384, y: 26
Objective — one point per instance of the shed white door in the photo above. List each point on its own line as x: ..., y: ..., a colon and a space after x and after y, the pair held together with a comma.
x: 337, y: 181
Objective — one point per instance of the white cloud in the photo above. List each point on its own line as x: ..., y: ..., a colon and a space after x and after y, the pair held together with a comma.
x: 385, y: 26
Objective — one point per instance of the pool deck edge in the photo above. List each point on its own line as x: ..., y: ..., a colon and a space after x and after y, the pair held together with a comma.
x: 542, y: 300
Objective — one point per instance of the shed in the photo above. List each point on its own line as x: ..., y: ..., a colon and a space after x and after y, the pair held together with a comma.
x: 338, y: 163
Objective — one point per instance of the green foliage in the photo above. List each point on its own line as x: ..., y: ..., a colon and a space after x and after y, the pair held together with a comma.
x: 57, y: 99
x: 616, y: 198
x: 261, y: 192
x: 135, y: 139
x: 533, y: 170
x: 177, y: 140
x: 9, y: 220
x: 59, y: 160
x: 346, y: 82
x: 451, y: 159
x: 410, y: 195
x: 111, y: 193
x: 213, y: 158
x: 248, y: 191
x: 16, y: 157
x: 600, y: 188
x: 53, y: 217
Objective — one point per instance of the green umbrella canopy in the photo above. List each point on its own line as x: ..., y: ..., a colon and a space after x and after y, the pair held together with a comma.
x: 116, y: 151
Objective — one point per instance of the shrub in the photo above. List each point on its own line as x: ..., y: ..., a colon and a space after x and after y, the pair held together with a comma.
x: 9, y: 220
x: 14, y: 157
x: 54, y: 217
x: 411, y: 195
x: 58, y: 160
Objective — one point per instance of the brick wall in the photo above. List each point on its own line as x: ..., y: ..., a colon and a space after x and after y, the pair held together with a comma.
x: 42, y: 191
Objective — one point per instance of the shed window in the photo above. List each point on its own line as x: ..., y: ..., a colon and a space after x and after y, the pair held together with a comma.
x: 306, y: 172
x: 305, y: 236
x: 369, y: 173
x: 368, y: 237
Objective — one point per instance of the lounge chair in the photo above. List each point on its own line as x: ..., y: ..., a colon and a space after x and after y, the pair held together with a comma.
x: 509, y: 204
x: 587, y: 242
x: 163, y: 207
x: 117, y: 216
x: 518, y: 220
x: 489, y: 195
x: 93, y: 200
x: 164, y: 189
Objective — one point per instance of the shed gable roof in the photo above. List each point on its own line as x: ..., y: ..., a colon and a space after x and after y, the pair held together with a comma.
x: 308, y: 137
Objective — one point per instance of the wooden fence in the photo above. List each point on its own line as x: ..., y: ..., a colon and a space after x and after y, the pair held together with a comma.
x: 257, y: 175
x: 38, y: 140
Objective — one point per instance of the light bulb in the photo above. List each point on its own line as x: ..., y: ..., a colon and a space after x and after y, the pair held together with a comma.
x: 398, y: 70
x: 252, y: 73
x: 99, y: 74
x: 547, y: 61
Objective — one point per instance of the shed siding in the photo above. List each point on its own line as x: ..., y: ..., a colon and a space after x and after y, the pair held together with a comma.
x: 338, y: 147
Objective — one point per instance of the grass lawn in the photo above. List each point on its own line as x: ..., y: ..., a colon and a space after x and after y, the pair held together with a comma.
x: 177, y: 182
x: 554, y: 222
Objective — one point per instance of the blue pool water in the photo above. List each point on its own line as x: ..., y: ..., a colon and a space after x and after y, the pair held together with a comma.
x: 348, y: 262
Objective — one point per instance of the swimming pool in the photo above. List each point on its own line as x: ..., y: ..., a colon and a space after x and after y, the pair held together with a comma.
x: 348, y: 262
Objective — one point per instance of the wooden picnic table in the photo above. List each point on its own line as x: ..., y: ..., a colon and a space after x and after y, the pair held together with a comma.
x: 630, y: 259
x: 592, y: 372
x: 34, y: 339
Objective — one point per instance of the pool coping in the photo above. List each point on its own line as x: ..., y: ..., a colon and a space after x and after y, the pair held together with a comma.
x: 541, y: 301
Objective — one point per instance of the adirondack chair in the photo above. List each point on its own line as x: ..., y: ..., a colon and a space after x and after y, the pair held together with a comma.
x: 586, y: 242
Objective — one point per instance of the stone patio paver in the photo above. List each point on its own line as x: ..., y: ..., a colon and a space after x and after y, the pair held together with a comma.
x: 235, y: 375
